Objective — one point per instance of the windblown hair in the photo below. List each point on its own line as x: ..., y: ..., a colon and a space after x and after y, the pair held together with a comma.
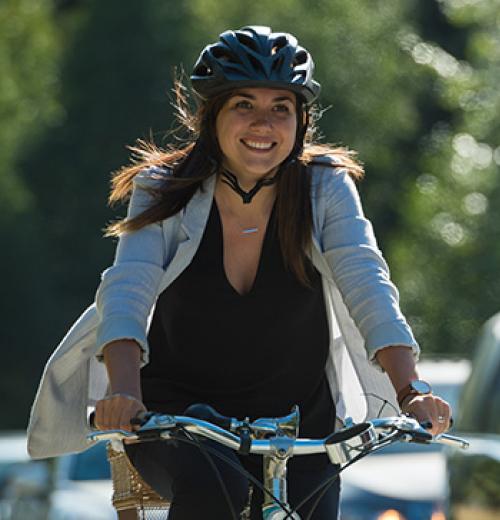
x: 199, y: 157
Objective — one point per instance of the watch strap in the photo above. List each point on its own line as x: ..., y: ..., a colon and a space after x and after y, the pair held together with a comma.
x: 408, y: 390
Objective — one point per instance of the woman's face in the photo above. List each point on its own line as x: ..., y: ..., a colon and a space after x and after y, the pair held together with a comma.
x: 256, y: 130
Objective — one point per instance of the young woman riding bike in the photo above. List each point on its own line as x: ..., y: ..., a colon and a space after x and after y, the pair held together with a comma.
x: 246, y: 277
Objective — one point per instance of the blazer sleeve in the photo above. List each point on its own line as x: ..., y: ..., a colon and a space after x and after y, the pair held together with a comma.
x: 358, y: 267
x: 128, y: 288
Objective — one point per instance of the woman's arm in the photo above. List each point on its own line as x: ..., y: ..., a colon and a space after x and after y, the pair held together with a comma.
x: 122, y: 359
x: 358, y: 267
x: 399, y: 363
x: 124, y: 300
x: 129, y: 287
x: 362, y: 276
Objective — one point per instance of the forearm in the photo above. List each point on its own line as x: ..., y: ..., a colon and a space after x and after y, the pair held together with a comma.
x: 399, y: 363
x: 122, y: 359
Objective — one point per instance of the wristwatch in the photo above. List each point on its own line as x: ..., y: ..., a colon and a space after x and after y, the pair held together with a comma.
x: 416, y: 387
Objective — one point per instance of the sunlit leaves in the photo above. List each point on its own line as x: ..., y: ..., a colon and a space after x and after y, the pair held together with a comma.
x: 451, y: 246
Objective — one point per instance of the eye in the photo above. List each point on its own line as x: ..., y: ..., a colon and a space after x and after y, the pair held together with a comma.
x: 283, y: 108
x: 244, y: 104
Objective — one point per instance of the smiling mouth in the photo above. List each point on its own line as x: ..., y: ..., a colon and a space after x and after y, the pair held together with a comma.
x: 254, y: 145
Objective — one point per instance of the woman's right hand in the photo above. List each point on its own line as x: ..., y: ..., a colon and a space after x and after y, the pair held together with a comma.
x: 115, y: 411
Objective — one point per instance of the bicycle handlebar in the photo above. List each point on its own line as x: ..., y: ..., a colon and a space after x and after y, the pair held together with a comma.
x: 341, y: 446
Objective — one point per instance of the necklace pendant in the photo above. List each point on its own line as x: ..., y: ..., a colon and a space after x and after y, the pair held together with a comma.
x: 248, y: 231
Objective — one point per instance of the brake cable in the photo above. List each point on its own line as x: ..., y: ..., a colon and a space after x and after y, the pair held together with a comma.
x: 238, y: 468
x: 225, y: 492
x: 323, y: 487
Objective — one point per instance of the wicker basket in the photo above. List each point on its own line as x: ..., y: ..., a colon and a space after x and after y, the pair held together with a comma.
x: 133, y: 499
x: 130, y: 493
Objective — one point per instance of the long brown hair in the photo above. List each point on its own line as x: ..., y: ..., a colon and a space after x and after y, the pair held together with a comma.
x: 199, y: 157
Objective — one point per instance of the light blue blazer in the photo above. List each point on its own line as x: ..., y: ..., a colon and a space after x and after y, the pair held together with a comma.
x: 362, y: 307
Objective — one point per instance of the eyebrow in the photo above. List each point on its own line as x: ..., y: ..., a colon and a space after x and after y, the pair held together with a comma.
x: 250, y: 96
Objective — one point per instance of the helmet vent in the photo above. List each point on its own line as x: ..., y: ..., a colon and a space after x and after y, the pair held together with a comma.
x: 256, y: 64
x: 248, y: 41
x: 202, y: 70
x: 300, y: 58
x: 220, y: 53
x: 279, y: 43
x: 277, y: 64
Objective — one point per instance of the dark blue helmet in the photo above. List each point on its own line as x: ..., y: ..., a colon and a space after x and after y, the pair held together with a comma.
x: 255, y: 57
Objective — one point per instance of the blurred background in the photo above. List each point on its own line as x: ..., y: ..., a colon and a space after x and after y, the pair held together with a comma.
x: 411, y: 86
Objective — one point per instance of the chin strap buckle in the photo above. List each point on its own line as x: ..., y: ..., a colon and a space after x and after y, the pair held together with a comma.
x: 232, y: 181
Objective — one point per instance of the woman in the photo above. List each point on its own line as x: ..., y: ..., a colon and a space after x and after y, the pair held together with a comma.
x: 251, y: 246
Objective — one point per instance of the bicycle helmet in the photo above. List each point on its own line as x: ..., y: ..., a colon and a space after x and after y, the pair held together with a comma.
x: 254, y: 57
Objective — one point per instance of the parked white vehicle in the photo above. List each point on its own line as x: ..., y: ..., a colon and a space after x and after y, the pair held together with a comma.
x: 82, y: 487
x: 406, y: 481
x: 23, y: 482
x: 475, y: 475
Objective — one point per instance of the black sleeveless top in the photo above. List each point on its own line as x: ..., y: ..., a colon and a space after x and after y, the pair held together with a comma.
x: 252, y: 355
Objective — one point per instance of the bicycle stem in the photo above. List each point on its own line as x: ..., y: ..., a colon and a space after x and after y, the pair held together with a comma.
x: 275, y: 469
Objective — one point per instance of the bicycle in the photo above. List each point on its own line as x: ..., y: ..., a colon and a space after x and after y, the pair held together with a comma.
x: 276, y: 440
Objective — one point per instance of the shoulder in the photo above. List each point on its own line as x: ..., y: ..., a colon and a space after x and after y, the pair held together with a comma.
x: 152, y: 177
x: 146, y: 187
x: 329, y: 177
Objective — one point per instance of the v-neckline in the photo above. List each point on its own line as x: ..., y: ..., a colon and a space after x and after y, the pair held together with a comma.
x: 220, y: 232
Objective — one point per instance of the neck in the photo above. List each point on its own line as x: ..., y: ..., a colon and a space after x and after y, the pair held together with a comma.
x: 231, y: 202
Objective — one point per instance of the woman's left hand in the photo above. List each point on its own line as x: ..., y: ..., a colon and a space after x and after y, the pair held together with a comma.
x: 429, y: 408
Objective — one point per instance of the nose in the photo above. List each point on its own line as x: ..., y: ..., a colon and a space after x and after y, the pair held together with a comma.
x: 262, y: 120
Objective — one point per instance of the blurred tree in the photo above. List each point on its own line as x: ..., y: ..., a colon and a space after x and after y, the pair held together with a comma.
x: 371, y: 89
x: 29, y: 84
x: 447, y: 261
x: 29, y: 108
x: 115, y: 73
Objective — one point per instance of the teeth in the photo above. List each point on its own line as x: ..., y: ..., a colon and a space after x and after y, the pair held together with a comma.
x: 260, y: 146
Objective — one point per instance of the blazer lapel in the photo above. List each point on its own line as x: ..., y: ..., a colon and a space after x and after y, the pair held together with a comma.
x: 188, y: 237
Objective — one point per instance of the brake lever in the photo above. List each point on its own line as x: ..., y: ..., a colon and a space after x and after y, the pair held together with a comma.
x: 141, y: 419
x: 150, y: 421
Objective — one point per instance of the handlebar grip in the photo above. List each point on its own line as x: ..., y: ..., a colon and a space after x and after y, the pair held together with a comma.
x: 209, y: 414
x: 138, y: 420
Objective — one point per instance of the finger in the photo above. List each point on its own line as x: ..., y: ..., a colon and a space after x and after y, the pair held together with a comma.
x: 440, y: 412
x: 444, y: 415
x: 101, y: 416
x: 425, y: 411
x: 115, y: 409
x: 128, y: 413
x: 138, y: 419
x: 108, y: 413
x: 124, y: 422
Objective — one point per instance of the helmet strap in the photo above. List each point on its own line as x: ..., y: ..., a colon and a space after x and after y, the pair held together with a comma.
x: 232, y: 181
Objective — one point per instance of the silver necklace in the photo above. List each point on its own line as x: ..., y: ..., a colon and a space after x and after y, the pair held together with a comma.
x: 250, y: 230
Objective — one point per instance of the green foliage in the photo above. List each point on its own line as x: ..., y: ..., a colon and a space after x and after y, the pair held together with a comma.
x: 447, y: 261
x: 28, y: 88
x: 29, y: 108
x: 370, y: 86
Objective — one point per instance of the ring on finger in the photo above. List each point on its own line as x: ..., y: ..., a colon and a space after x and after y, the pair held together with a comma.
x: 441, y: 419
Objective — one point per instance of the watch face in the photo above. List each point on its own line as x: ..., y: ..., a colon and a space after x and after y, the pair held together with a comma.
x: 421, y: 386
